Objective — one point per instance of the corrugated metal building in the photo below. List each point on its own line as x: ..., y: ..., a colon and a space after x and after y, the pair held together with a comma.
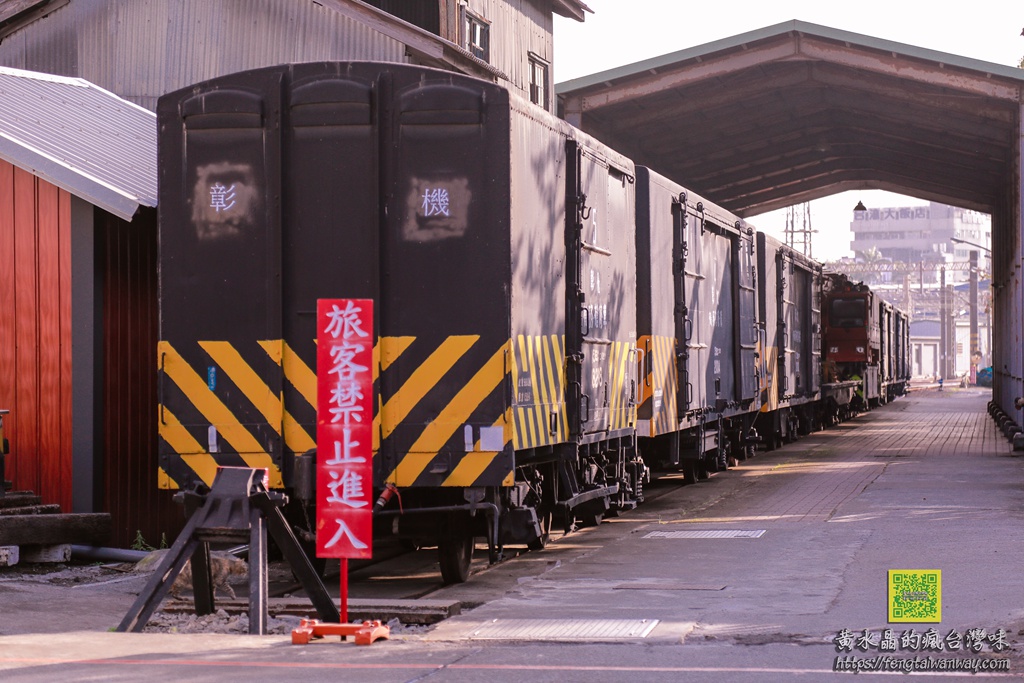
x: 141, y: 49
x: 78, y: 292
x: 88, y: 415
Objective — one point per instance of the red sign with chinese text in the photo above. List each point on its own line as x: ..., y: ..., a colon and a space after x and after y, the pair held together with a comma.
x: 344, y: 361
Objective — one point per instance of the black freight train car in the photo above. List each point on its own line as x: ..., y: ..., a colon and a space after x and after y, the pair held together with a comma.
x: 789, y: 287
x: 496, y: 242
x: 697, y: 329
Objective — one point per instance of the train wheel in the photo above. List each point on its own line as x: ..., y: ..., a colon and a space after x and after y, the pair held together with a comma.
x: 545, y: 532
x: 455, y: 555
x: 690, y: 472
x: 703, y: 472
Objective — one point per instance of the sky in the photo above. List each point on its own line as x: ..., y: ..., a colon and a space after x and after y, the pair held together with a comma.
x: 621, y: 32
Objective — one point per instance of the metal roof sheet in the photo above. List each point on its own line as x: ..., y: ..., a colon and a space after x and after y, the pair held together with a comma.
x: 81, y: 138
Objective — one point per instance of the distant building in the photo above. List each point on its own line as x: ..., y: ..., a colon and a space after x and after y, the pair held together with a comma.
x: 923, y: 234
x: 925, y: 343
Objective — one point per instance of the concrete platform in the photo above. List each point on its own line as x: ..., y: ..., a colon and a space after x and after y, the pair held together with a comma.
x: 926, y: 482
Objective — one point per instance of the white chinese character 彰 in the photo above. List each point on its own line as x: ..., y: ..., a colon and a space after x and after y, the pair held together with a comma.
x: 435, y: 202
x: 345, y: 323
x: 344, y: 531
x: 222, y: 198
x: 347, y: 489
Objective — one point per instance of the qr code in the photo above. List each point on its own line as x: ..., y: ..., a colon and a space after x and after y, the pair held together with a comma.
x: 915, y: 595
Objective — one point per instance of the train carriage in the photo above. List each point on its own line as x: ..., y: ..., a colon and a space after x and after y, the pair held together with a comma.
x: 697, y: 326
x: 496, y: 243
x: 550, y: 317
x: 790, y: 308
x: 867, y: 347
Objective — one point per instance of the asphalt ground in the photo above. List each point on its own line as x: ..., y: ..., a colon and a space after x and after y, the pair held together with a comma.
x: 926, y: 482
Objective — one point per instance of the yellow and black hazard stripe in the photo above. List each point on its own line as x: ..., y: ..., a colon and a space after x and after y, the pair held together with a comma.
x: 538, y: 390
x: 442, y: 417
x: 770, y: 383
x: 660, y: 385
x: 222, y: 404
x: 622, y: 375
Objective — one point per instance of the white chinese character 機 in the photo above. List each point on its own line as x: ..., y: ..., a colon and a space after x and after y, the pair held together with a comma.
x: 435, y: 202
x: 221, y: 198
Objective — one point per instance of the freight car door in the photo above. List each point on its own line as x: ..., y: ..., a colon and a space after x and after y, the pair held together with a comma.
x: 691, y: 355
x: 445, y: 269
x: 796, y: 316
x: 814, y: 286
x: 715, y: 311
x: 219, y: 276
x: 746, y: 314
x: 592, y: 291
x: 331, y: 220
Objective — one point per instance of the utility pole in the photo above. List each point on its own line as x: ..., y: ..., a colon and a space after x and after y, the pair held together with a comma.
x: 943, y: 327
x: 798, y: 229
x: 975, y: 354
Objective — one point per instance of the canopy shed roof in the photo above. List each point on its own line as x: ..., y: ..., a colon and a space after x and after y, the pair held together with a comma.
x: 798, y: 111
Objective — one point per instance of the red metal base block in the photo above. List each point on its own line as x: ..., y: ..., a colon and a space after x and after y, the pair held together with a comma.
x: 364, y: 633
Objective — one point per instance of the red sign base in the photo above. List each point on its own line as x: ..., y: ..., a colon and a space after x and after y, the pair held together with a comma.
x: 364, y: 633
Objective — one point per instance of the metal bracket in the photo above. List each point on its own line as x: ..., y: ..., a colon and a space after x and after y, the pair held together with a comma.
x: 238, y: 508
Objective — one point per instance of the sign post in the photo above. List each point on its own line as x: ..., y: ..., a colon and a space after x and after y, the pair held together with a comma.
x: 344, y: 510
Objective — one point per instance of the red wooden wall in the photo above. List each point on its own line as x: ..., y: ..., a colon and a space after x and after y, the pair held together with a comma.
x: 126, y: 258
x: 35, y: 333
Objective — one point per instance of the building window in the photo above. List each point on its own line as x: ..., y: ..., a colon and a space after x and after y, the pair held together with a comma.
x: 477, y: 38
x: 538, y: 81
